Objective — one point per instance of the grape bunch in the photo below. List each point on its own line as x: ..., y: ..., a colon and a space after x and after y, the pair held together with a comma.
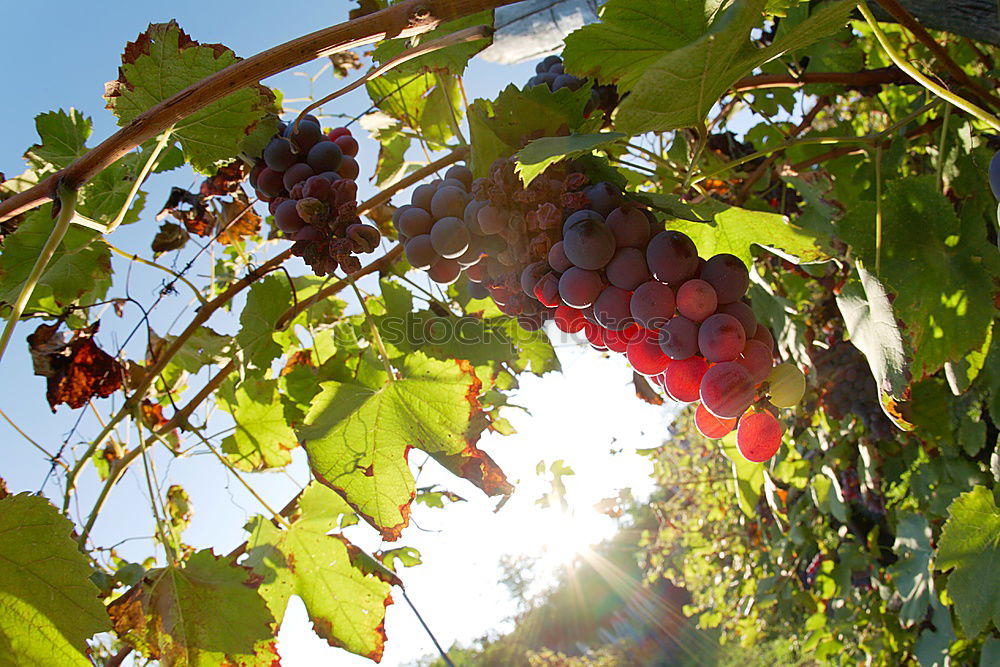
x: 847, y: 388
x: 551, y: 73
x: 307, y: 179
x: 599, y: 263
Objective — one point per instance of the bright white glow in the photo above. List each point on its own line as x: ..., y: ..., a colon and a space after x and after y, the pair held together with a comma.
x: 556, y: 537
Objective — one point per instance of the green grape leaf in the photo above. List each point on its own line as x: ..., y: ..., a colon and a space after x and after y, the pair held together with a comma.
x: 48, y: 605
x: 676, y: 59
x: 538, y: 155
x: 202, y: 348
x: 345, y: 604
x: 871, y: 322
x: 163, y: 61
x: 79, y: 271
x: 991, y: 652
x: 500, y: 127
x: 358, y: 435
x: 932, y: 649
x: 206, y: 612
x: 263, y: 439
x: 912, y: 572
x: 734, y: 230
x: 421, y: 101
x: 946, y: 304
x: 64, y: 139
x: 970, y: 543
x: 321, y: 510
x: 268, y: 300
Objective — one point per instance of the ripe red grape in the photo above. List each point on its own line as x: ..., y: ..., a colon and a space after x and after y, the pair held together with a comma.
x: 445, y: 272
x: 618, y: 340
x: 296, y: 174
x: 721, y: 338
x: 711, y: 426
x: 530, y: 276
x: 682, y: 379
x: 491, y: 219
x: 758, y: 436
x: 611, y: 308
x: 756, y: 358
x: 349, y: 168
x: 728, y: 275
x: 696, y: 300
x: 270, y: 182
x: 422, y: 196
x: 557, y: 257
x: 727, y: 390
x: 347, y: 144
x: 568, y: 319
x: 595, y: 334
x: 461, y: 173
x: 645, y: 354
x: 744, y: 314
x: 679, y: 338
x: 580, y: 216
x: 652, y: 304
x: 287, y: 218
x: 672, y: 257
x: 415, y: 221
x: 579, y: 287
x: 763, y: 334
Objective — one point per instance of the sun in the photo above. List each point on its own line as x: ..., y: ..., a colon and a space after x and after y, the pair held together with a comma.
x: 554, y: 538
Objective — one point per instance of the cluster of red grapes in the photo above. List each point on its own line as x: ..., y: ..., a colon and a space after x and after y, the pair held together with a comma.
x: 307, y: 177
x: 848, y: 388
x: 599, y: 264
x: 551, y: 73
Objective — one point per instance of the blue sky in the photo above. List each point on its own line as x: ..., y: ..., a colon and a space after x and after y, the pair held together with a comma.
x: 58, y: 55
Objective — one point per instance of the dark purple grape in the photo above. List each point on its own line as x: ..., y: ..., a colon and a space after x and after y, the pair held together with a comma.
x: 324, y: 156
x: 604, y: 197
x: 278, y: 154
x: 611, y: 308
x: 566, y: 81
x: 420, y: 253
x: 744, y: 314
x: 449, y: 201
x: 589, y: 244
x: 672, y: 257
x: 296, y: 174
x: 471, y: 216
x: 349, y: 168
x: 305, y: 136
x: 696, y: 300
x: 721, y: 338
x: 422, y: 195
x: 270, y: 182
x: 679, y: 338
x: 546, y: 63
x: 415, y: 221
x: 445, y: 272
x: 471, y: 256
x: 462, y: 173
x: 450, y: 237
x: 653, y: 304
x: 627, y: 268
x: 491, y: 219
x: 578, y: 216
x: 579, y: 287
x: 287, y: 218
x: 557, y: 257
x: 530, y: 276
x: 728, y: 275
x: 629, y: 226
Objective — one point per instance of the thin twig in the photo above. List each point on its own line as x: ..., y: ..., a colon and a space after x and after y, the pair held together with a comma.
x: 441, y: 651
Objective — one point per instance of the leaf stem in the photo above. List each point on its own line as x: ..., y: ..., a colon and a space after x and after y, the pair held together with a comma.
x: 878, y: 209
x: 140, y: 179
x: 942, y: 144
x: 918, y: 76
x: 67, y: 207
x: 374, y: 329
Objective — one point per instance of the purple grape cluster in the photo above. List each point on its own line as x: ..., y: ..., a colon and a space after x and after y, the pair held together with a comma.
x: 307, y: 177
x: 551, y: 73
x: 848, y: 389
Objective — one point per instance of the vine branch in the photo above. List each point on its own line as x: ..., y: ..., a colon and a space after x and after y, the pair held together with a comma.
x: 405, y: 19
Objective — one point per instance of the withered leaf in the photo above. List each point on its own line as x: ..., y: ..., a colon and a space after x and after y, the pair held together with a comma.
x: 77, y: 371
x: 644, y: 391
x: 170, y: 237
